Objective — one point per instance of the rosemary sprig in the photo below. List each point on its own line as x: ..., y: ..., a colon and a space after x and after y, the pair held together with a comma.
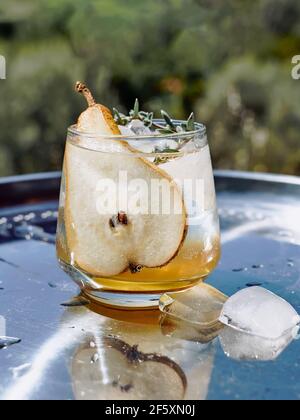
x: 168, y: 128
x: 136, y: 109
x: 120, y: 118
x: 134, y: 114
x: 190, y: 124
x: 147, y: 118
x: 171, y: 128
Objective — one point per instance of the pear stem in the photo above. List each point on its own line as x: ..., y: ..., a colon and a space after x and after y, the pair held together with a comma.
x: 82, y: 88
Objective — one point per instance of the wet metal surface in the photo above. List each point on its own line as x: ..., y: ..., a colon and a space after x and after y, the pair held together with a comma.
x: 76, y: 353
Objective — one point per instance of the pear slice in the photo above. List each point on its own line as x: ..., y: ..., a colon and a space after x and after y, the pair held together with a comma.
x: 97, y: 118
x: 128, y: 374
x: 108, y: 244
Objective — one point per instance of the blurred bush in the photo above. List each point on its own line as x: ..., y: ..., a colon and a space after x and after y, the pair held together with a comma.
x: 229, y: 61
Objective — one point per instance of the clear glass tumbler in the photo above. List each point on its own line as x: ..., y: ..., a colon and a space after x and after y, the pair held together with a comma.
x: 137, y: 215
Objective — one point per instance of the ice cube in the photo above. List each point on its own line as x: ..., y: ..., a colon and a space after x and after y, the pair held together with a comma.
x: 139, y: 128
x: 201, y: 304
x: 188, y: 331
x: 167, y: 146
x: 192, y: 314
x: 261, y: 313
x: 136, y: 127
x: 145, y: 146
x: 242, y: 346
x: 126, y: 131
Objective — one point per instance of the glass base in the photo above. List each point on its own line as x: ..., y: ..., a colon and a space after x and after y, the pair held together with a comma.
x: 113, y: 298
x: 125, y: 300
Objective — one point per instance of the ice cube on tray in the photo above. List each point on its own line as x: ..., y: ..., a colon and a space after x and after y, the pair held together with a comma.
x: 200, y: 305
x: 259, y: 312
x: 241, y: 346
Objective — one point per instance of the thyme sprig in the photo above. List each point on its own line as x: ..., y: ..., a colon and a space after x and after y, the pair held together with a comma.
x: 134, y: 114
x: 147, y: 119
x: 170, y: 127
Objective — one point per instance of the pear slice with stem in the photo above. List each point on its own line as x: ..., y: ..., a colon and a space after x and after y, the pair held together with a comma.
x: 109, y: 243
x: 97, y: 118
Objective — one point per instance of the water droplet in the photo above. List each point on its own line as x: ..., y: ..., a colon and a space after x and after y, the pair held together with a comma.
x: 8, y: 341
x: 18, y: 371
x: 95, y: 358
x: 239, y: 270
x: 29, y: 217
x: 257, y: 266
x: 254, y: 284
x: 126, y: 388
x: 285, y: 234
x: 46, y: 214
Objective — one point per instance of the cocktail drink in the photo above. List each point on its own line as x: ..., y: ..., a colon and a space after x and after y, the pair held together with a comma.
x: 138, y: 213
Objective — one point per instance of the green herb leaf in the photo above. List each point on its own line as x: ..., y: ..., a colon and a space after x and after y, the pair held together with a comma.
x: 190, y: 125
x: 136, y: 109
x: 165, y: 130
x: 120, y: 119
x: 168, y: 120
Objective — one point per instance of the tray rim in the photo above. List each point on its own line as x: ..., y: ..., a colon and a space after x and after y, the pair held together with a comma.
x: 41, y: 187
x: 255, y: 176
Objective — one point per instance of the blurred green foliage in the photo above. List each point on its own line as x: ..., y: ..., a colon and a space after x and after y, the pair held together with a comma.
x: 229, y: 61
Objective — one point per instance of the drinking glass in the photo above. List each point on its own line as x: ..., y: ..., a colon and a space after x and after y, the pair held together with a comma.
x: 137, y: 215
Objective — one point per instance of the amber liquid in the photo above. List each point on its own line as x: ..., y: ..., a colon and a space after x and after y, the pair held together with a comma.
x: 192, y: 264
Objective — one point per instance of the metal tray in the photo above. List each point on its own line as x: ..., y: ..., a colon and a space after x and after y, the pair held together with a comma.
x: 261, y: 238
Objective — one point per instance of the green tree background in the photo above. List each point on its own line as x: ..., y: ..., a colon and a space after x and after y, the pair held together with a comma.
x: 229, y: 61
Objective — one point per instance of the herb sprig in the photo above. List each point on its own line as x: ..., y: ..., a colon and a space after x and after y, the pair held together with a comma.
x: 134, y: 114
x: 147, y: 119
x: 170, y: 127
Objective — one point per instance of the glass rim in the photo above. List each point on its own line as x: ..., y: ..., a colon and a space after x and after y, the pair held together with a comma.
x: 200, y: 131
